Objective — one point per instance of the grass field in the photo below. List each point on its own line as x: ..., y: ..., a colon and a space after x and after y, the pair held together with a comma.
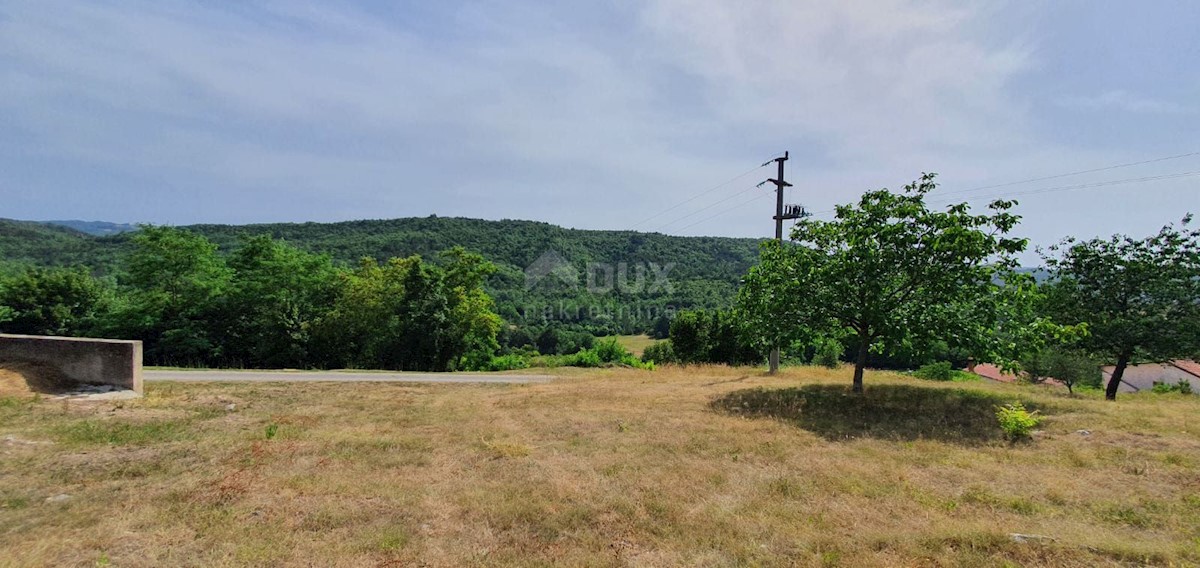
x: 702, y: 466
x: 636, y: 344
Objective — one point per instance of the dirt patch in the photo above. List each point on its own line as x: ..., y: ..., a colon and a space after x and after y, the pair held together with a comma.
x: 23, y: 378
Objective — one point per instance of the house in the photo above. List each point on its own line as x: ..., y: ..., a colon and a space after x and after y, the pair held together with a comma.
x: 994, y: 373
x: 1142, y: 377
x: 1136, y: 378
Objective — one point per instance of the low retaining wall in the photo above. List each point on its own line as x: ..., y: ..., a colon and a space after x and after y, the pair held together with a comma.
x: 92, y: 361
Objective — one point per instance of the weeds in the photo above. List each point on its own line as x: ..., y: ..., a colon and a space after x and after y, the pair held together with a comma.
x: 119, y: 433
x: 1016, y: 422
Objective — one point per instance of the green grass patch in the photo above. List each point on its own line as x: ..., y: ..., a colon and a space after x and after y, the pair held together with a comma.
x: 116, y: 433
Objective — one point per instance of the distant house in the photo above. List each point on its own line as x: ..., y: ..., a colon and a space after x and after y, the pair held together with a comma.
x: 994, y: 373
x: 1142, y: 377
x: 1136, y: 377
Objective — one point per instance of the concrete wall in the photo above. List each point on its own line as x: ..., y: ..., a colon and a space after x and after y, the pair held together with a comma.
x: 93, y: 361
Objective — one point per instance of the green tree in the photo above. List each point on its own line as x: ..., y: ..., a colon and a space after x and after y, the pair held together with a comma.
x: 1067, y: 366
x: 276, y: 295
x: 714, y: 336
x: 51, y: 301
x: 174, y: 281
x: 886, y: 272
x: 1140, y: 298
x: 690, y: 337
x: 407, y: 314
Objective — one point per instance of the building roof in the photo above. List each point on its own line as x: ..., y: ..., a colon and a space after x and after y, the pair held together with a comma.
x: 992, y: 372
x: 1142, y: 377
x: 1188, y: 365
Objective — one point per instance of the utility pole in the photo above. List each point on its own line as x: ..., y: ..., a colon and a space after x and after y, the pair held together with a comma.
x: 782, y: 213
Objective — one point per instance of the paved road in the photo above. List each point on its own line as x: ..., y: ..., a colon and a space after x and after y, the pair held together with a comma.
x: 335, y: 377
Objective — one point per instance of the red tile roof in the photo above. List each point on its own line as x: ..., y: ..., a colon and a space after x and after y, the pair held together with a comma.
x: 992, y: 372
x: 1189, y: 366
x: 989, y: 371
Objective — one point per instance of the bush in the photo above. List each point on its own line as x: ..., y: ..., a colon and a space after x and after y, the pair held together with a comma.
x: 1016, y: 422
x: 609, y: 351
x: 585, y: 358
x: 940, y: 371
x: 1182, y: 387
x: 660, y: 353
x: 508, y: 362
x: 828, y: 354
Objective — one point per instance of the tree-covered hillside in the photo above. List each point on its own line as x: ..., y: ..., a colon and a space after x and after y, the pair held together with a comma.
x: 635, y: 277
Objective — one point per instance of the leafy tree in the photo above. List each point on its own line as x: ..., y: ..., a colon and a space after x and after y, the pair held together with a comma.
x: 51, y: 301
x: 715, y: 336
x: 276, y: 295
x: 884, y: 273
x: 690, y: 337
x: 660, y: 353
x: 1067, y: 366
x: 410, y: 315
x: 175, y: 278
x: 661, y: 328
x: 1140, y: 298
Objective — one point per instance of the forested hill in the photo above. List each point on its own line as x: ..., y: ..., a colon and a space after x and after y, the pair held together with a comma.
x: 703, y: 271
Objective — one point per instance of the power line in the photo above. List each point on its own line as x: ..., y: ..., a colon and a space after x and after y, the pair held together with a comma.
x: 1081, y: 186
x: 699, y: 195
x: 1069, y: 174
x: 724, y: 211
x: 1053, y: 189
x: 710, y: 206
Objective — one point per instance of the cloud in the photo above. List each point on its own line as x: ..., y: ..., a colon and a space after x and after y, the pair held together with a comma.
x: 575, y: 113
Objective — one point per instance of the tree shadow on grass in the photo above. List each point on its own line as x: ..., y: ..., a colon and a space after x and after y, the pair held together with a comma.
x: 888, y: 412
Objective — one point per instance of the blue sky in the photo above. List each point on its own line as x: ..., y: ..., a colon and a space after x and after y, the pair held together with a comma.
x: 592, y: 114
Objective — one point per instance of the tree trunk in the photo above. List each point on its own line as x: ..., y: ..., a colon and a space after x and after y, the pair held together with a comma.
x: 860, y: 363
x: 1115, y: 382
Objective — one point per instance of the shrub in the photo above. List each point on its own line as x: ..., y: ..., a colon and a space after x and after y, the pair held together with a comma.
x: 508, y: 362
x: 1182, y: 387
x: 1016, y: 422
x: 585, y: 358
x: 609, y: 351
x: 661, y: 352
x: 1163, y: 388
x: 939, y: 371
x: 828, y: 354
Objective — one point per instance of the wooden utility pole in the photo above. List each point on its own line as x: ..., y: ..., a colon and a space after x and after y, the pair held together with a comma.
x: 782, y: 213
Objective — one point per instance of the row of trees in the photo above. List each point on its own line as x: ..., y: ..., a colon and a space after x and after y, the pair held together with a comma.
x: 890, y: 277
x: 703, y: 272
x: 268, y: 304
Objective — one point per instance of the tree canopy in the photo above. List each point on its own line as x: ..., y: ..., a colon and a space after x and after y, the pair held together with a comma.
x: 1140, y: 298
x: 884, y: 273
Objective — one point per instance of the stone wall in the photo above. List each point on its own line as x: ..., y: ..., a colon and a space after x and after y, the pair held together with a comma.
x: 92, y: 361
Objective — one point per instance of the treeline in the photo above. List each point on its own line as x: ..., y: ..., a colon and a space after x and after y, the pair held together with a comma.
x: 703, y: 272
x: 267, y: 304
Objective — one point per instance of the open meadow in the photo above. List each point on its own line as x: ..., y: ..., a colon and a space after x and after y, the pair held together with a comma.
x: 707, y: 466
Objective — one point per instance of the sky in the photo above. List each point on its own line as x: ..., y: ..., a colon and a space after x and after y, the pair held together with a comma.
x: 596, y: 114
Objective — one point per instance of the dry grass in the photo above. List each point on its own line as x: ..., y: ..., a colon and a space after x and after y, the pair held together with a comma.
x: 636, y: 344
x: 703, y: 466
